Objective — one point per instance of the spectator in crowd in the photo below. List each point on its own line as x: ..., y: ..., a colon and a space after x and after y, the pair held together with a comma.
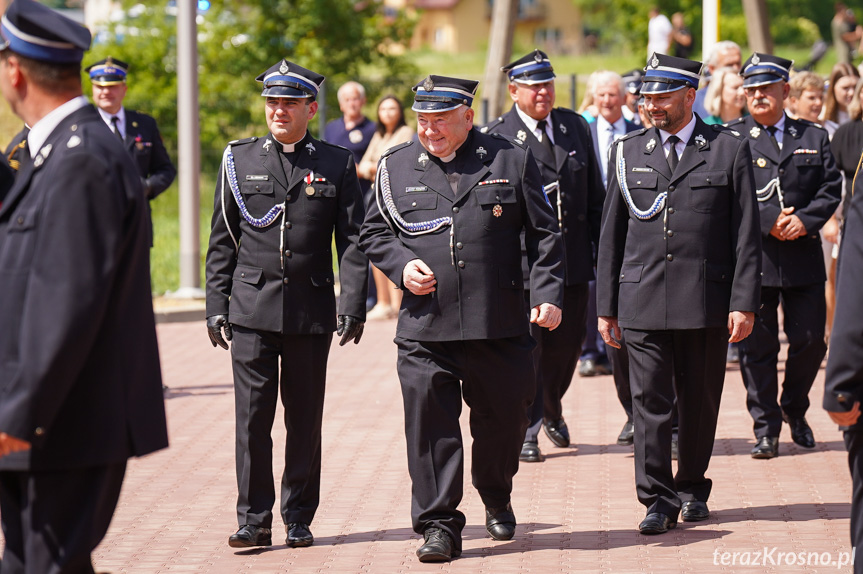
x: 632, y: 83
x: 725, y: 101
x: 846, y: 33
x: 353, y: 130
x: 659, y: 31
x: 805, y: 96
x: 723, y: 55
x: 391, y: 131
x: 840, y: 91
x: 587, y: 108
x: 681, y: 37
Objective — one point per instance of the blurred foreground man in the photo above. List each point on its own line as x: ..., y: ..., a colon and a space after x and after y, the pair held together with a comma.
x: 798, y: 187
x: 279, y: 200
x: 560, y: 142
x: 79, y: 363
x: 679, y: 264
x: 446, y: 226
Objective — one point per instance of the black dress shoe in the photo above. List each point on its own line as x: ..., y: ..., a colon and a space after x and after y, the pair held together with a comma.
x: 801, y: 432
x: 530, y: 453
x: 766, y: 447
x: 299, y: 535
x: 500, y: 522
x: 694, y: 511
x: 591, y: 368
x: 557, y: 432
x: 733, y: 353
x: 438, y: 547
x: 656, y: 523
x: 251, y: 535
x: 626, y: 434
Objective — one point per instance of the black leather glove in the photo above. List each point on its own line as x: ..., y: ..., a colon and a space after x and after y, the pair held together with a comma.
x: 349, y: 328
x: 215, y: 324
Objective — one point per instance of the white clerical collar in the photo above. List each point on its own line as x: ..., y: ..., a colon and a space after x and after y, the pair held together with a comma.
x: 449, y: 158
x: 288, y: 148
x: 683, y: 134
x: 44, y: 127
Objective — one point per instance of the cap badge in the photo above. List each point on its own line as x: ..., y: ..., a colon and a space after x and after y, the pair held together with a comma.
x: 481, y: 153
x: 311, y: 147
x: 792, y: 130
x: 428, y: 84
x: 654, y: 63
x: 700, y: 141
x: 497, y: 210
x: 74, y: 141
x: 537, y: 57
x: 423, y: 159
x: 761, y: 162
x: 283, y: 69
x: 755, y: 60
x: 562, y: 128
x: 267, y: 144
x: 521, y: 136
x: 650, y: 145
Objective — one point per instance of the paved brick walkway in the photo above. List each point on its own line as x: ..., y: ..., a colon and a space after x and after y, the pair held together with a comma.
x: 577, y: 511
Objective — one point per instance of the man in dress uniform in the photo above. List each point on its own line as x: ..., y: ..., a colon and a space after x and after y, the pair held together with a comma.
x: 79, y: 363
x: 560, y: 142
x: 138, y: 131
x: 446, y: 226
x: 843, y: 383
x: 279, y: 199
x: 679, y: 262
x: 798, y: 187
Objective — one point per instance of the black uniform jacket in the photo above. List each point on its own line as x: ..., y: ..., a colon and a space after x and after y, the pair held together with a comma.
x: 144, y: 143
x: 810, y: 182
x: 286, y: 286
x: 477, y: 260
x: 696, y: 260
x: 581, y: 194
x: 79, y: 364
x: 843, y: 382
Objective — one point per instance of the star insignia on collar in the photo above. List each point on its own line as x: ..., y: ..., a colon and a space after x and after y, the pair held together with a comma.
x: 428, y: 84
x: 311, y: 147
x: 755, y: 131
x: 654, y: 63
x: 521, y: 136
x: 650, y: 145
x: 700, y: 141
x: 267, y: 144
x: 283, y: 69
x: 481, y: 153
x: 792, y: 130
x: 562, y: 128
x: 755, y: 60
x: 423, y: 159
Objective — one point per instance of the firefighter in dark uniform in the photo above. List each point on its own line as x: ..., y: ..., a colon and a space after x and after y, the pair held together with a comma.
x: 446, y: 226
x: 678, y: 271
x: 843, y: 381
x: 798, y: 186
x: 573, y: 184
x: 279, y: 200
x: 139, y: 132
x: 79, y: 359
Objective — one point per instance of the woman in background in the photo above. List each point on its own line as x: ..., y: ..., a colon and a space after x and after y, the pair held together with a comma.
x: 391, y: 131
x: 724, y: 100
x: 840, y: 92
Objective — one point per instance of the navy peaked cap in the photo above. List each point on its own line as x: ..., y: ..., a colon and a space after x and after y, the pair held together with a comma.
x: 35, y: 31
x: 288, y: 80
x: 666, y: 73
x: 442, y: 94
x: 534, y: 68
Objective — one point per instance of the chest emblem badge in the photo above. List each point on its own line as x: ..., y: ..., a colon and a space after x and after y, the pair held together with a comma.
x: 497, y: 210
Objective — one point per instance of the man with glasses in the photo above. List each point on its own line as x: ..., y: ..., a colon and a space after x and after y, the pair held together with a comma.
x: 798, y: 187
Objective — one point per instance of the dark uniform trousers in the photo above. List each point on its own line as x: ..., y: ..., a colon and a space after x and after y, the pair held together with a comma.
x: 495, y: 377
x: 571, y: 163
x: 793, y: 271
x: 688, y: 364
x: 854, y: 446
x: 301, y: 382
x: 42, y: 534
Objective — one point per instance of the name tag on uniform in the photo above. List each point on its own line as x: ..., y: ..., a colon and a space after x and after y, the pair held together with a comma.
x: 416, y: 188
x: 642, y: 169
x: 257, y: 177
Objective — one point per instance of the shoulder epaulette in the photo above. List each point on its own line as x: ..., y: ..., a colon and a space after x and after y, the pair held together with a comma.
x: 632, y: 134
x: 244, y: 141
x: 492, y: 124
x: 331, y: 144
x: 396, y: 148
x: 510, y: 139
x: 734, y: 122
x: 726, y: 129
x: 810, y: 123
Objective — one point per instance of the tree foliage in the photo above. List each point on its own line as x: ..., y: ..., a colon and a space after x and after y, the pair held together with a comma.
x: 238, y: 41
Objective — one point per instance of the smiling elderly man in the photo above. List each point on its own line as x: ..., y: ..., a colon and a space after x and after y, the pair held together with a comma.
x: 447, y: 227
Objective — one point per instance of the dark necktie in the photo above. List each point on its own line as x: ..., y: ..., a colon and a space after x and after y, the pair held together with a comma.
x: 546, y: 141
x: 673, y: 160
x: 772, y: 131
x: 115, y: 125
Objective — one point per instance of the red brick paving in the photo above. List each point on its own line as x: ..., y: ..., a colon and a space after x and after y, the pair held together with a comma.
x: 577, y: 511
